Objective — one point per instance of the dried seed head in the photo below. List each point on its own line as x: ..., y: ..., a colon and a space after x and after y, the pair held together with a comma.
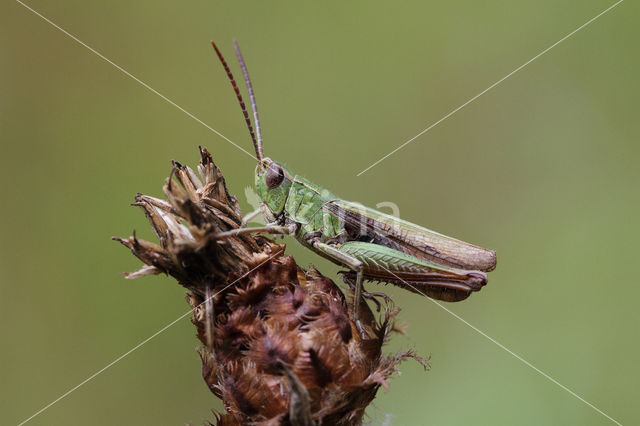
x: 279, y: 343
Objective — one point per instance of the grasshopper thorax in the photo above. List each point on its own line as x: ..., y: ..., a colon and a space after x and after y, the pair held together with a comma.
x: 273, y: 182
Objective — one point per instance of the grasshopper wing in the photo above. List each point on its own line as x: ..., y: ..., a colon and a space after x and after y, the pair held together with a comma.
x: 367, y: 224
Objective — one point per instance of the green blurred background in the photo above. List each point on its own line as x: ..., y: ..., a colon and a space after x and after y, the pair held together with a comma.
x: 543, y: 169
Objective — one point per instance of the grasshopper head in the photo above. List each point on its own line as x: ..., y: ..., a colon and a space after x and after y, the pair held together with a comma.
x: 273, y: 182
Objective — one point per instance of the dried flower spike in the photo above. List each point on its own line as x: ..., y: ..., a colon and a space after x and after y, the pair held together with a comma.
x: 280, y: 346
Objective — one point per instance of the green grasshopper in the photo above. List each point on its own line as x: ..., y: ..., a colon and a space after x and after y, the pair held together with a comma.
x: 373, y: 245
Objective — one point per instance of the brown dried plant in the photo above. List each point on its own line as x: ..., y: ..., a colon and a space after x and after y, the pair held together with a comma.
x: 279, y: 344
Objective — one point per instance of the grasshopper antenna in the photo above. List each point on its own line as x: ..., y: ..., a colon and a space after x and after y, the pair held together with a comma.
x: 256, y: 146
x: 252, y: 98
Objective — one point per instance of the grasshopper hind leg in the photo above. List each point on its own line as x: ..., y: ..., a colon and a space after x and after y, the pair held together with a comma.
x: 367, y: 294
x: 356, y: 266
x: 357, y: 300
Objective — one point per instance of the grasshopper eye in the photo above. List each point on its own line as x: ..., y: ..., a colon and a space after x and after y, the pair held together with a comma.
x: 274, y: 176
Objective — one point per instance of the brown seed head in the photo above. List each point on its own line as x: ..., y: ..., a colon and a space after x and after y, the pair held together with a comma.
x: 279, y: 344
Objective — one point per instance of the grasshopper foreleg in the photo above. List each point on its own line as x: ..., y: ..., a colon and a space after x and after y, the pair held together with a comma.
x: 268, y: 229
x: 249, y: 217
x: 355, y: 265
